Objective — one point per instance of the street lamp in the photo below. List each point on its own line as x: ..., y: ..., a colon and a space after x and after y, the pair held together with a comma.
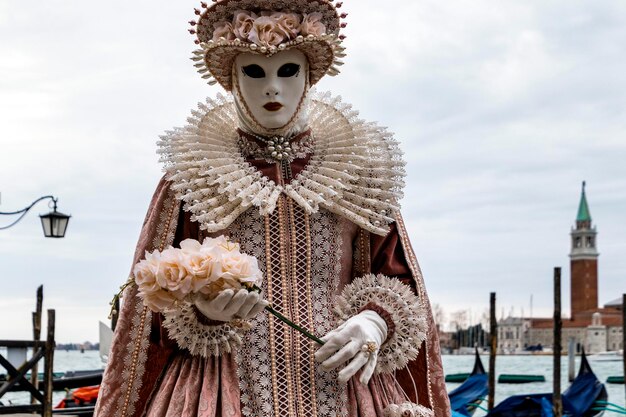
x: 54, y: 223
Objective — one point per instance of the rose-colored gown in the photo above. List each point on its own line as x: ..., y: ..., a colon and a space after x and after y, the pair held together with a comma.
x: 306, y: 259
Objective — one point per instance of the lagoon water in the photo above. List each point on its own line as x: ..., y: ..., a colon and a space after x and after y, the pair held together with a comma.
x: 74, y: 360
x: 533, y: 364
x: 71, y: 360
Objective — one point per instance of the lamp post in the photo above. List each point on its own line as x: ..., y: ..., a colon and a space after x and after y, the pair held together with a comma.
x: 54, y: 223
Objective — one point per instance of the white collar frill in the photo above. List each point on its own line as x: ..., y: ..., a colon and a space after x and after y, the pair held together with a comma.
x: 356, y: 169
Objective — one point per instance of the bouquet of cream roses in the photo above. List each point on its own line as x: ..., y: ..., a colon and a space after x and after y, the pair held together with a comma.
x: 167, y: 277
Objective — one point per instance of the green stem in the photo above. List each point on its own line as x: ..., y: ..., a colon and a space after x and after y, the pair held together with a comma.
x: 294, y: 325
x: 285, y: 320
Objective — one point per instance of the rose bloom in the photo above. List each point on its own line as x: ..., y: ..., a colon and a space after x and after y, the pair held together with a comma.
x: 223, y: 30
x: 203, y: 268
x: 158, y: 301
x: 220, y: 243
x: 172, y: 274
x: 312, y: 24
x: 204, y: 263
x: 145, y: 272
x: 264, y: 32
x: 242, y: 24
x: 287, y: 23
x: 241, y: 268
x: 190, y: 246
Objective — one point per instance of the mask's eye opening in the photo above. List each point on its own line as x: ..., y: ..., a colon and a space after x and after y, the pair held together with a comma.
x: 289, y: 70
x: 253, y: 71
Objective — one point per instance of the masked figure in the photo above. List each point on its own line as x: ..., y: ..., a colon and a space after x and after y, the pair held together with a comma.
x: 312, y: 192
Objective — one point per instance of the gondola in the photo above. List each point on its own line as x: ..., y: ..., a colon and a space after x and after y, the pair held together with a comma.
x: 78, y: 402
x: 582, y: 399
x: 77, y: 379
x: 466, y: 398
x: 66, y: 380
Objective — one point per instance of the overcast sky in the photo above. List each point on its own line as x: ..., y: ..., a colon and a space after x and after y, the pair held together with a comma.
x: 503, y: 108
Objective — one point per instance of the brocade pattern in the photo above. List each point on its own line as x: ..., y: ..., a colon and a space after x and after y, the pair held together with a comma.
x: 277, y: 372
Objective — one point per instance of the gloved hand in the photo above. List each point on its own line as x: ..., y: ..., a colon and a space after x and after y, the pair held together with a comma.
x: 357, y: 340
x: 229, y: 305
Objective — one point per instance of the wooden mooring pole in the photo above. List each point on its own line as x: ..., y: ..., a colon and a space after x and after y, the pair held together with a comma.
x: 34, y: 373
x: 571, y: 359
x: 493, y: 346
x: 557, y: 402
x: 48, y: 366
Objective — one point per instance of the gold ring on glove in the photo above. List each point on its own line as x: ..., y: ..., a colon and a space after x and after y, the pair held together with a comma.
x: 369, y: 347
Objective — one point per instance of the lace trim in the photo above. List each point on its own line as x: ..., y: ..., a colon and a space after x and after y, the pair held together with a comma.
x: 327, y: 251
x: 135, y: 359
x: 407, y: 312
x: 136, y: 354
x: 166, y: 228
x: 254, y: 358
x: 434, y: 370
x: 199, y: 339
x: 407, y: 409
x: 356, y: 170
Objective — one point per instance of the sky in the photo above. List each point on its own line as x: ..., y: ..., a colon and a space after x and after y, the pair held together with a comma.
x: 502, y: 109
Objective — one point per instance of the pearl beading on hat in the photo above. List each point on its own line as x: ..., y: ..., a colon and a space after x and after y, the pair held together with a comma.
x: 223, y: 10
x: 329, y: 50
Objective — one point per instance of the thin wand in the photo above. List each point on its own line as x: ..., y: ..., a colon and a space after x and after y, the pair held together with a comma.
x: 294, y: 325
x: 285, y: 319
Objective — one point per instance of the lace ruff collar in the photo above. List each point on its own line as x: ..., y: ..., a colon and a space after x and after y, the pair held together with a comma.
x: 355, y: 171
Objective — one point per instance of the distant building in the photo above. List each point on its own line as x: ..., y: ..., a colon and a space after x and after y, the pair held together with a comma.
x: 583, y: 262
x: 595, y: 329
x: 513, y: 334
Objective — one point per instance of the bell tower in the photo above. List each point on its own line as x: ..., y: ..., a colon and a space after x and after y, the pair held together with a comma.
x: 583, y: 261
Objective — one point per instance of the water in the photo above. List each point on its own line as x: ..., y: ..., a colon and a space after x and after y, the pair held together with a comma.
x: 536, y: 365
x: 71, y: 360
x: 541, y: 365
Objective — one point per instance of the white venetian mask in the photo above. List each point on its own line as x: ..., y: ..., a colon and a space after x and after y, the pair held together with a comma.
x: 271, y: 89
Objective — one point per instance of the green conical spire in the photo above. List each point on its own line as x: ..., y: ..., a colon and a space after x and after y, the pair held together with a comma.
x: 583, y: 208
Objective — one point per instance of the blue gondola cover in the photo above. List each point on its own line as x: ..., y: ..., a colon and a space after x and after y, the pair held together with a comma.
x: 476, y: 386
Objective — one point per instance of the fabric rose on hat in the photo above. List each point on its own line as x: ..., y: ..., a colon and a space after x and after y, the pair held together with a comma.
x: 264, y: 32
x: 312, y: 24
x: 287, y: 23
x: 242, y: 23
x: 223, y: 30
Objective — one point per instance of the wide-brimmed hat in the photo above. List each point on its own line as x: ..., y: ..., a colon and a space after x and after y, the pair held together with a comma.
x: 230, y: 27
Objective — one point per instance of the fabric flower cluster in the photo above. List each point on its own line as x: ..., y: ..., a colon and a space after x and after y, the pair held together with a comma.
x: 173, y: 275
x: 269, y: 28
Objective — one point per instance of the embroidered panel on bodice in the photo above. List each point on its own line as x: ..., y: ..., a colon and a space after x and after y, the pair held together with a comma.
x: 300, y: 258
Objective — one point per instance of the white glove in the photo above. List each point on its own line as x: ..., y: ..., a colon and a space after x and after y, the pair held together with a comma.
x: 229, y: 305
x: 357, y: 340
